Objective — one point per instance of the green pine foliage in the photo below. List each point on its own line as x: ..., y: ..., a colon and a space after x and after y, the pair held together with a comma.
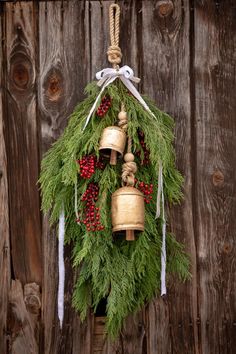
x: 126, y: 273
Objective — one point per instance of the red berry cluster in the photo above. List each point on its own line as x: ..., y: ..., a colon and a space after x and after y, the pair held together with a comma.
x: 92, y: 216
x: 88, y: 164
x: 104, y: 106
x: 146, y: 189
x: 146, y: 152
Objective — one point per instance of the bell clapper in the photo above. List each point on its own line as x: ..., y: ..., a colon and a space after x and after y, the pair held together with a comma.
x: 113, y: 157
x: 130, y: 235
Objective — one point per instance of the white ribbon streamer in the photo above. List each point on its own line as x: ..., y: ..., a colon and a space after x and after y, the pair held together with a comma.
x: 126, y: 75
x: 163, y: 248
x: 161, y: 203
x: 76, y: 203
x: 158, y: 205
x: 61, y: 265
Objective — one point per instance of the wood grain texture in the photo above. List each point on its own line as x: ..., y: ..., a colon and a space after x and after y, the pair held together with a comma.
x: 132, y: 338
x: 22, y: 140
x: 184, y: 52
x: 5, y: 267
x: 23, y: 318
x: 165, y: 71
x: 215, y: 107
x: 64, y: 72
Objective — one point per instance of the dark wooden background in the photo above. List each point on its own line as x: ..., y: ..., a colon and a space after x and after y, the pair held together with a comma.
x: 187, y: 61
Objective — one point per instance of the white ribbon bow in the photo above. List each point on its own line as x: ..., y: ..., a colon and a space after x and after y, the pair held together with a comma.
x: 106, y: 76
x: 108, y: 73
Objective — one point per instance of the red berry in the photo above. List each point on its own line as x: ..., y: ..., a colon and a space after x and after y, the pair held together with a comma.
x: 104, y: 106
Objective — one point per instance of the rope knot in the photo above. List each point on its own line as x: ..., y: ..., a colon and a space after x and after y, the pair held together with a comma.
x: 129, y: 168
x: 114, y: 51
x: 114, y: 55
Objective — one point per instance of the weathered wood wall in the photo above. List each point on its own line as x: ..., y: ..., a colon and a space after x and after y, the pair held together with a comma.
x: 186, y: 57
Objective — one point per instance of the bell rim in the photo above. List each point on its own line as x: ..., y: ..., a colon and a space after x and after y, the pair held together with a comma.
x: 138, y: 227
x: 111, y: 147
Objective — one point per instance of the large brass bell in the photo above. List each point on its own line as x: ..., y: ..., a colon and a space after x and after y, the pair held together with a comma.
x: 128, y: 211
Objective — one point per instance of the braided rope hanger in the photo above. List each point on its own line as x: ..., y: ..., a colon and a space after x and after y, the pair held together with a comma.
x: 114, y: 51
x: 129, y: 168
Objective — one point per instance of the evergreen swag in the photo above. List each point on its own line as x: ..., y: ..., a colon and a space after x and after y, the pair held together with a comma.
x: 127, y: 273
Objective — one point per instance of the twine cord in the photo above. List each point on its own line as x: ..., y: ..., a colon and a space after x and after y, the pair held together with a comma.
x: 129, y: 148
x: 129, y: 168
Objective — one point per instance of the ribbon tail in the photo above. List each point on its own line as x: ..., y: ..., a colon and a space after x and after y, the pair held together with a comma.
x: 61, y: 265
x: 134, y: 92
x: 76, y: 202
x: 108, y: 82
x: 163, y: 250
x: 159, y: 189
x: 93, y: 108
x: 163, y: 247
x: 161, y: 205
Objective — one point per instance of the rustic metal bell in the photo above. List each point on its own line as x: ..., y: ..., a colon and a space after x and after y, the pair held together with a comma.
x: 113, y: 141
x: 127, y: 211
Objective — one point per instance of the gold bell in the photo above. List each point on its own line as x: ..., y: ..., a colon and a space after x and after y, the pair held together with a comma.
x: 127, y: 211
x: 113, y: 140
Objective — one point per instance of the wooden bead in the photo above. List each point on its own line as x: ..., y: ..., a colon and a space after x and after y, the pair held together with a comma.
x: 122, y: 115
x: 129, y: 157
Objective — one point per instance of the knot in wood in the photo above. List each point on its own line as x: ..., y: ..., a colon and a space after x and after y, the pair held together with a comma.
x: 32, y: 298
x: 227, y: 248
x: 114, y: 55
x: 218, y: 178
x: 20, y: 75
x: 165, y: 8
x: 54, y: 88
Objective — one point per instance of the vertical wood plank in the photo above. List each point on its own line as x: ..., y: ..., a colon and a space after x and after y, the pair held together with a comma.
x: 99, y: 33
x: 164, y: 53
x: 22, y: 140
x: 215, y: 107
x: 21, y: 132
x: 64, y: 72
x: 5, y: 268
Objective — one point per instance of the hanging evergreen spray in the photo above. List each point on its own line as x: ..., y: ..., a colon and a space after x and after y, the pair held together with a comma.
x: 105, y: 181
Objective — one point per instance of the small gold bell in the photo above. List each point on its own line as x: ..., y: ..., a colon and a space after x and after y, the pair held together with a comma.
x: 113, y: 140
x: 127, y: 211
